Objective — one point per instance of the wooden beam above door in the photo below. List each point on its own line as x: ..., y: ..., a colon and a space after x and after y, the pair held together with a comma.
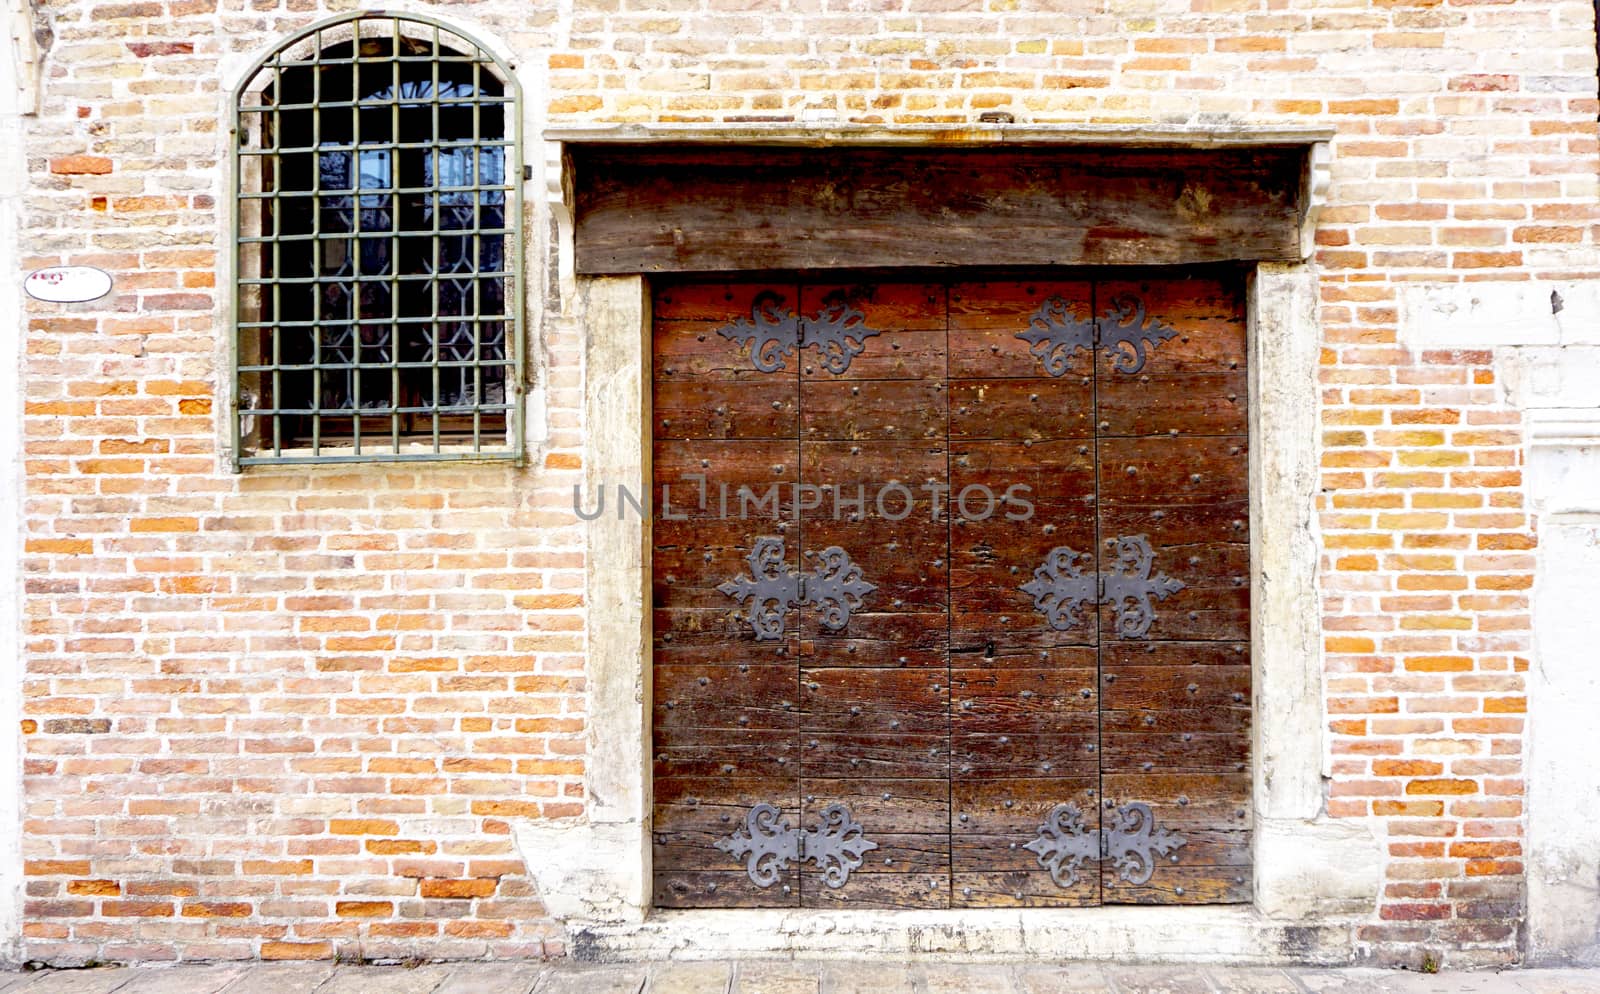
x: 698, y: 206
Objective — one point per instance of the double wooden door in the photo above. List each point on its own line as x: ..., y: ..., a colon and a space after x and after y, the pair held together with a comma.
x: 950, y: 593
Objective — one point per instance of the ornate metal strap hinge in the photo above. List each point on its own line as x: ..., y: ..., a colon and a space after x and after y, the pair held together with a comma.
x: 1059, y: 587
x: 767, y: 845
x: 834, y: 586
x: 1133, y: 841
x: 839, y: 332
x: 1124, y: 332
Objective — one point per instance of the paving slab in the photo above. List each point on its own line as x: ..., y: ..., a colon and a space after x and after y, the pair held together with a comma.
x: 1158, y: 980
x: 629, y: 979
x: 208, y: 979
x: 490, y: 978
x: 869, y: 978
x: 102, y: 980
x: 1245, y: 980
x: 768, y: 977
x: 387, y: 979
x: 1062, y: 980
x: 981, y: 978
x: 281, y: 978
x: 692, y: 978
x: 1557, y: 981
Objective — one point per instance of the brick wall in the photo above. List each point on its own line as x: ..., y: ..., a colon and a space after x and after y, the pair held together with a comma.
x: 288, y: 713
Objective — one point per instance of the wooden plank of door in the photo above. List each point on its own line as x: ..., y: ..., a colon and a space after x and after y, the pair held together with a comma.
x: 875, y: 689
x: 1025, y: 710
x: 1173, y: 459
x: 725, y: 705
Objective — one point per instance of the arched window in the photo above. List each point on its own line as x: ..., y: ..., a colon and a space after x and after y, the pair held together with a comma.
x: 378, y: 300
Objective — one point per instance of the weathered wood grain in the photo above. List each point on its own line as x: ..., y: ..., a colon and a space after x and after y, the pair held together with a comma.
x: 947, y: 714
x: 688, y: 208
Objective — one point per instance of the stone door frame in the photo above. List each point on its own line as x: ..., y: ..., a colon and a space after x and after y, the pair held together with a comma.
x: 1315, y: 877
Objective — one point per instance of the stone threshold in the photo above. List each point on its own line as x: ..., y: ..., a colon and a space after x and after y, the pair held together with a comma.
x: 1213, y: 934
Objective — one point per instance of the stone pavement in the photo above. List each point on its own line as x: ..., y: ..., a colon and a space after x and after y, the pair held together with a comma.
x: 778, y: 977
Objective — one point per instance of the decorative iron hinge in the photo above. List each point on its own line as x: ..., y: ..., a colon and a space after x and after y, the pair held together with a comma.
x: 1059, y: 587
x: 839, y: 332
x: 766, y: 845
x: 1123, y: 332
x: 1133, y: 841
x: 834, y: 586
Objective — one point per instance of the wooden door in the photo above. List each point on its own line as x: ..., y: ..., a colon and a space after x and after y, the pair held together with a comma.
x: 986, y: 642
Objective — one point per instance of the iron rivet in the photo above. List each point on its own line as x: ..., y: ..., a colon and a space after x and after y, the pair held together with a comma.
x: 1178, y: 891
x: 1183, y: 802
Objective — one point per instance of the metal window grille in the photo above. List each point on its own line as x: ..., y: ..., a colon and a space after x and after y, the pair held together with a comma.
x: 378, y: 248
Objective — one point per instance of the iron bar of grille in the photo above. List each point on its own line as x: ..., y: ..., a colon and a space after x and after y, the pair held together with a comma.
x: 343, y: 261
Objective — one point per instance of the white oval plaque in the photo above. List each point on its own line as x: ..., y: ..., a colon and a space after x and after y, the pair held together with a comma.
x: 68, y: 284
